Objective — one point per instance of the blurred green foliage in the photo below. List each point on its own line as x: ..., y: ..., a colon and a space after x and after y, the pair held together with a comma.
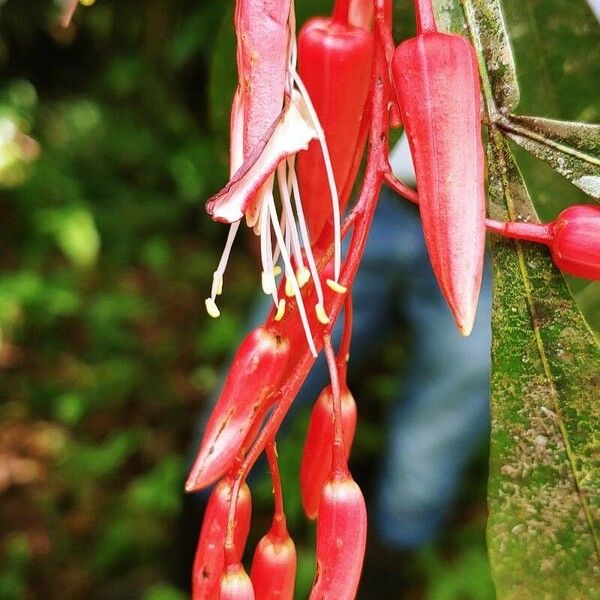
x: 112, y: 134
x: 106, y: 157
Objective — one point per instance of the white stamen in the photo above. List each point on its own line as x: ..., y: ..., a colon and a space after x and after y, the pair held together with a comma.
x: 218, y: 282
x: 289, y: 215
x: 303, y: 276
x: 217, y: 285
x: 321, y: 314
x: 335, y: 201
x: 266, y: 250
x: 336, y: 286
x: 288, y: 241
x: 267, y: 282
x: 289, y: 288
x: 304, y: 231
x: 290, y: 274
x: 276, y: 252
x: 211, y: 308
x: 280, y: 310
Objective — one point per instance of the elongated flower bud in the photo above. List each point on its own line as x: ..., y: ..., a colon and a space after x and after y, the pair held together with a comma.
x: 317, y: 455
x: 437, y: 84
x: 273, y: 571
x: 341, y: 540
x: 334, y: 62
x: 255, y: 374
x: 210, y: 554
x: 235, y: 584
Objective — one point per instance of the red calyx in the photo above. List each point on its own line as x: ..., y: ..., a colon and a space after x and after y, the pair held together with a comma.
x: 437, y: 85
x: 210, y: 553
x: 341, y: 540
x: 317, y: 454
x: 256, y: 371
x: 334, y: 62
x: 273, y: 571
x: 235, y: 584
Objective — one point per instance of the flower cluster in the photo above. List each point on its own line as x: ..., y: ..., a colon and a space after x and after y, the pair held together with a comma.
x: 303, y: 112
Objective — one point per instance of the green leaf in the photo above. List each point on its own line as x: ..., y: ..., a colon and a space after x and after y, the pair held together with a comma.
x: 571, y: 149
x: 491, y: 39
x: 544, y: 492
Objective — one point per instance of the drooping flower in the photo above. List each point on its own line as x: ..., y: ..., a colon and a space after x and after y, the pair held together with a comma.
x: 272, y: 120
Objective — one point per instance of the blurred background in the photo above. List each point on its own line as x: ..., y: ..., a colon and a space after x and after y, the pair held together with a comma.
x: 113, y: 132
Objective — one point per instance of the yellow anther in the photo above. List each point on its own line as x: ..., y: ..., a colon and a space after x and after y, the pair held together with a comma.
x: 87, y: 2
x: 280, y: 310
x: 336, y: 286
x: 303, y: 276
x: 211, y: 308
x: 321, y: 314
x: 289, y: 288
x: 218, y: 280
x: 268, y: 282
x: 276, y: 270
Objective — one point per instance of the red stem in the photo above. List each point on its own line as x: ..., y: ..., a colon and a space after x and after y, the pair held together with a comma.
x: 424, y: 16
x: 278, y: 528
x: 344, y: 350
x: 340, y: 12
x: 543, y: 233
x: 339, y: 467
x: 401, y: 188
x: 230, y: 557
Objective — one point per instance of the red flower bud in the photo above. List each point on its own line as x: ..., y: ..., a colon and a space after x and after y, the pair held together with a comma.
x: 235, y: 584
x: 576, y: 241
x: 341, y: 540
x: 256, y: 372
x: 315, y: 467
x: 210, y: 553
x: 273, y: 571
x: 334, y: 62
x: 437, y: 83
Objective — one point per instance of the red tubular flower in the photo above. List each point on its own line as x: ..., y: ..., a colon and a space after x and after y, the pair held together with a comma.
x: 437, y: 83
x: 235, y: 584
x: 317, y: 456
x: 273, y: 571
x: 341, y: 540
x: 210, y: 554
x: 255, y: 373
x: 334, y: 62
x: 573, y: 238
